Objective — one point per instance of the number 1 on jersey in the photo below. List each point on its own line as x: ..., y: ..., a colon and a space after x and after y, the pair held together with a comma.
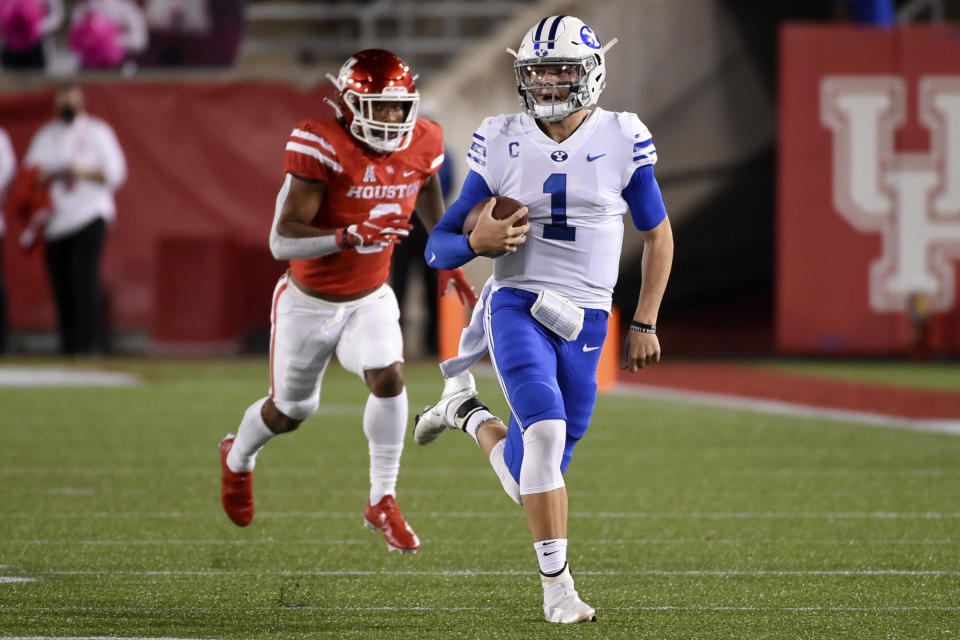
x: 556, y: 186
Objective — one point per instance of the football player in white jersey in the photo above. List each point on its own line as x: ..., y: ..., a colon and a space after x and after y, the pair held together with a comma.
x: 543, y: 314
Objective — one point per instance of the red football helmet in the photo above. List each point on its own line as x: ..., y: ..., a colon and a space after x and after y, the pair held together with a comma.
x: 367, y: 80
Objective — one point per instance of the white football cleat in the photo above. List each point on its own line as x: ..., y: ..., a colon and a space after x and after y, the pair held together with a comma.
x: 446, y: 414
x: 561, y: 602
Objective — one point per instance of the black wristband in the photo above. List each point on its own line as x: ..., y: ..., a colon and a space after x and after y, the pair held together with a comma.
x: 468, y: 245
x: 341, y: 237
x: 642, y: 328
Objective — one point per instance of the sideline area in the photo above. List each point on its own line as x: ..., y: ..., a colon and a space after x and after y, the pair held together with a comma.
x: 764, y: 389
x: 31, y: 377
x: 767, y: 383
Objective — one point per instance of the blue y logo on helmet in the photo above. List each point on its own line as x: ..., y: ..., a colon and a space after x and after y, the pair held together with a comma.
x: 541, y: 53
x: 588, y: 37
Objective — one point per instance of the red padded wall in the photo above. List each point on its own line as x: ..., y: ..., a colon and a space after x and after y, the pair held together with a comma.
x: 204, y: 169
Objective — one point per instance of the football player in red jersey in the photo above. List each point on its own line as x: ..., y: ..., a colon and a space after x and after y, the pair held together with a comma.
x: 351, y: 184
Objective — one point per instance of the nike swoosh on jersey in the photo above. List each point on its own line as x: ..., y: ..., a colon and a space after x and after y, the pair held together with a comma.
x: 586, y: 348
x: 408, y: 173
x: 591, y: 158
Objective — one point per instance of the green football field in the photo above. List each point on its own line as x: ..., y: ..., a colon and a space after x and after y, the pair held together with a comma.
x: 686, y: 522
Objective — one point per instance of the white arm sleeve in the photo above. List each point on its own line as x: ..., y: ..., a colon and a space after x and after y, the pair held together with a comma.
x: 35, y: 150
x: 8, y: 161
x: 54, y: 18
x: 287, y: 248
x: 133, y: 36
x: 8, y: 165
x: 114, y: 163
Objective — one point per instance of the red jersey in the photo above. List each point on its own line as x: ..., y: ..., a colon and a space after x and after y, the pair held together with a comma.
x: 360, y: 184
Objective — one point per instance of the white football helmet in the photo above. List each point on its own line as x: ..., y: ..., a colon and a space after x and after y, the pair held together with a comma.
x: 559, y: 52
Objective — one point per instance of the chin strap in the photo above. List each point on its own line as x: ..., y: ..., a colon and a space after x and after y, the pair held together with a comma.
x: 513, y: 53
x: 335, y: 107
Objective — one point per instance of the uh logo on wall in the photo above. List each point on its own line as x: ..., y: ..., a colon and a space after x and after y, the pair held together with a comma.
x: 911, y: 199
x: 868, y: 190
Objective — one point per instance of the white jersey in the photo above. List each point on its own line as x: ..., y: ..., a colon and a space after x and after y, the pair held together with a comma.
x: 8, y: 167
x: 573, y: 190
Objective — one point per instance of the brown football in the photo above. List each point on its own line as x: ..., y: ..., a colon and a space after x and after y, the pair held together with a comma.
x: 504, y: 208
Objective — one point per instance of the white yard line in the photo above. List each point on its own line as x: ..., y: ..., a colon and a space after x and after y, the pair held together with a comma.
x: 777, y: 407
x: 473, y: 573
x: 480, y: 471
x: 828, y: 609
x: 652, y: 608
x: 90, y: 637
x: 603, y: 515
x: 459, y: 541
x: 28, y: 377
x: 205, y: 471
x: 763, y: 515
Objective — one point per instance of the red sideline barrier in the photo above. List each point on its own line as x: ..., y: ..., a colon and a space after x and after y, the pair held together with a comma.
x: 760, y: 382
x: 868, y: 237
x: 205, y: 164
x: 192, y: 301
x: 210, y: 293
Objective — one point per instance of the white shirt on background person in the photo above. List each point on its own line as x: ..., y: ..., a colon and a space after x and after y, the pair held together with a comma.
x: 8, y: 165
x: 87, y: 143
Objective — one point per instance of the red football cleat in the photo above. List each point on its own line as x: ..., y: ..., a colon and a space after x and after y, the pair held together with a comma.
x: 236, y: 488
x: 386, y: 516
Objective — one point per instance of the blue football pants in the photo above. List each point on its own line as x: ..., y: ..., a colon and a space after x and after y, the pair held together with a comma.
x: 543, y: 376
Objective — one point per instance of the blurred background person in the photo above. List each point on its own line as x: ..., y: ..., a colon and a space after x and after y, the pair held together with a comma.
x: 877, y: 12
x: 188, y: 16
x: 193, y: 32
x: 408, y: 263
x: 104, y: 33
x: 79, y: 158
x: 8, y: 164
x: 24, y: 25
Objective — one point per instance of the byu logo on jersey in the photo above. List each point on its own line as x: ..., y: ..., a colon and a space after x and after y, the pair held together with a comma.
x: 911, y: 199
x: 559, y: 156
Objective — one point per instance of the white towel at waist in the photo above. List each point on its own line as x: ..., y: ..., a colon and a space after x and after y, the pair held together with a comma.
x: 473, y: 339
